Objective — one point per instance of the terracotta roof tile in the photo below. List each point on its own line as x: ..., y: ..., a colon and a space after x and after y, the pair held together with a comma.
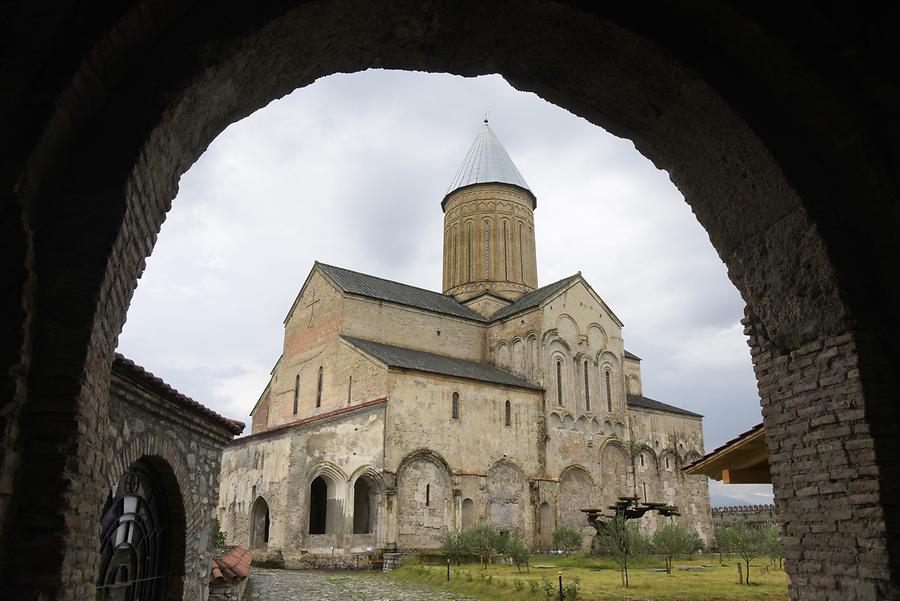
x: 233, y: 564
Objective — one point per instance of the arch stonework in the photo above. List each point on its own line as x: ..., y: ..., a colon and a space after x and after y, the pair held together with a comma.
x: 803, y: 258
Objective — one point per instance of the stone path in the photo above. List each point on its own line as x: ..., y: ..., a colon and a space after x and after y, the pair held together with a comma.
x: 290, y: 585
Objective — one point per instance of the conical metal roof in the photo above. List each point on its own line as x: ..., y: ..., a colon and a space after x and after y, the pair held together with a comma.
x: 487, y: 162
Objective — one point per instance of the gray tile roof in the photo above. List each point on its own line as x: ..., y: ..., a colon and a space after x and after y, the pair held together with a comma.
x: 487, y: 162
x: 534, y: 298
x: 406, y: 358
x: 630, y: 355
x: 647, y: 403
x: 353, y: 282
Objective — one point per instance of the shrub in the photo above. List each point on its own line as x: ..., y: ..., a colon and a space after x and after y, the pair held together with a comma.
x: 674, y: 539
x: 571, y: 590
x: 548, y: 587
x: 534, y: 585
x: 567, y: 539
x: 747, y: 541
x: 220, y: 536
x: 468, y: 575
x: 501, y: 582
x: 483, y: 540
x: 454, y: 544
x: 519, y: 585
x: 517, y: 552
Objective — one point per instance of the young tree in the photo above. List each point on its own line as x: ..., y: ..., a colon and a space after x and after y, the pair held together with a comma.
x: 621, y: 541
x: 566, y: 538
x: 747, y: 541
x: 454, y: 544
x: 773, y: 544
x: 517, y: 552
x: 482, y: 539
x: 674, y: 539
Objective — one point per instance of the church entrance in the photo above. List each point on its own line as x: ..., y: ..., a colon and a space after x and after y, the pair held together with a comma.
x: 318, y: 506
x: 364, y: 504
x: 259, y: 524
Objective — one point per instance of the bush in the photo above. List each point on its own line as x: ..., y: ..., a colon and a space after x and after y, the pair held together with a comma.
x: 455, y: 545
x: 517, y: 552
x: 534, y: 585
x: 548, y: 587
x: 567, y: 539
x: 672, y: 540
x: 483, y: 540
x: 519, y: 585
x: 219, y: 541
x: 571, y: 590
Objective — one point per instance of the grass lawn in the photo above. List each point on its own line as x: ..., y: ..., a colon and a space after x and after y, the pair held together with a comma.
x: 600, y: 580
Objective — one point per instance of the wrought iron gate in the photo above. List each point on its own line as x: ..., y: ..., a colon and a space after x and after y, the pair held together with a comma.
x: 134, y: 538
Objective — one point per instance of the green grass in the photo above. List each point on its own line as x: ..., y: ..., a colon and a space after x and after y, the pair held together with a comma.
x: 600, y: 580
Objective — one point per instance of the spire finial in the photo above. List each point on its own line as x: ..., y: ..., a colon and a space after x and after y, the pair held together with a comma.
x: 485, y: 118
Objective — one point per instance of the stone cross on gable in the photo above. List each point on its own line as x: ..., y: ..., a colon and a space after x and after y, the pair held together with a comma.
x: 311, y: 305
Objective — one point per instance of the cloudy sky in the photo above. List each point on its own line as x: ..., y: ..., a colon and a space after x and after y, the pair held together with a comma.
x: 351, y: 171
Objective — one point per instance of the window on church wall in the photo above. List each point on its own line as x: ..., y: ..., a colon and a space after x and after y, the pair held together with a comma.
x: 349, y: 389
x: 454, y: 406
x: 505, y: 251
x: 507, y: 414
x: 296, y: 393
x: 469, y: 252
x: 521, y: 257
x: 608, y: 393
x: 559, y: 393
x: 587, y: 387
x: 487, y: 250
x: 319, y: 387
x: 427, y: 495
x: 644, y: 486
x: 642, y: 460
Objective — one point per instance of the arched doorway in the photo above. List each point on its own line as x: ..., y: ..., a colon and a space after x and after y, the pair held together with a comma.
x: 468, y: 512
x: 137, y: 534
x: 748, y: 151
x: 318, y: 506
x: 364, y: 507
x: 259, y: 524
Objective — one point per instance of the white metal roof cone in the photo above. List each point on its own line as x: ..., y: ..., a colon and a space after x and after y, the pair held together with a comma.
x: 487, y: 162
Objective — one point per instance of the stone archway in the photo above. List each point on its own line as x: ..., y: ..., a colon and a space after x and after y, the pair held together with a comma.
x: 778, y: 128
x: 260, y: 521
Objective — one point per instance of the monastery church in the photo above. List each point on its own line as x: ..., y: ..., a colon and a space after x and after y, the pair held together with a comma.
x: 395, y: 413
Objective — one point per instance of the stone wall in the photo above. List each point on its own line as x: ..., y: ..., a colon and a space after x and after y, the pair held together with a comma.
x: 744, y: 514
x: 184, y: 442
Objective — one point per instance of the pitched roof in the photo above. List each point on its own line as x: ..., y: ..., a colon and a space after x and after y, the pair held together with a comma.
x: 127, y: 368
x: 233, y: 564
x: 353, y: 282
x: 630, y: 355
x: 487, y: 162
x: 534, y: 298
x: 406, y: 358
x: 648, y: 403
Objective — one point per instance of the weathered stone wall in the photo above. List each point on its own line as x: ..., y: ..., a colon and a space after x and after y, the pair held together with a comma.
x: 280, y: 465
x: 745, y: 514
x: 181, y: 444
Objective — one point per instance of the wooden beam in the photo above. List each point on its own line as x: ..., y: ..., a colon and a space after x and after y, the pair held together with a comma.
x: 759, y: 475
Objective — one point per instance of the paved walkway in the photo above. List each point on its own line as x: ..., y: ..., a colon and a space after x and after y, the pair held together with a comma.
x: 290, y: 585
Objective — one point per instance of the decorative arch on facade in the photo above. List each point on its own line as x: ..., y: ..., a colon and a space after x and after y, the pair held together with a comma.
x: 368, y: 492
x: 634, y: 385
x: 326, y: 484
x: 559, y: 374
x: 567, y: 328
x: 608, y: 427
x: 568, y: 422
x: 555, y: 420
x: 595, y: 426
x: 260, y: 522
x: 424, y: 495
x: 532, y: 358
x: 620, y: 430
x: 583, y: 425
x: 576, y: 492
x: 615, y: 466
x: 504, y: 355
x: 518, y: 362
x: 506, y: 492
x: 597, y: 337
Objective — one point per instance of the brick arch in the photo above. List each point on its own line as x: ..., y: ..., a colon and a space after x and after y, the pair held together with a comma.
x: 759, y: 122
x: 171, y: 472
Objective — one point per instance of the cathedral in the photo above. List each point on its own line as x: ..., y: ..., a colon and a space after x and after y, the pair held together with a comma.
x: 395, y: 413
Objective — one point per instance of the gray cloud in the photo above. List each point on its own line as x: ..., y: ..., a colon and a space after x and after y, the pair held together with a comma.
x: 351, y: 170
